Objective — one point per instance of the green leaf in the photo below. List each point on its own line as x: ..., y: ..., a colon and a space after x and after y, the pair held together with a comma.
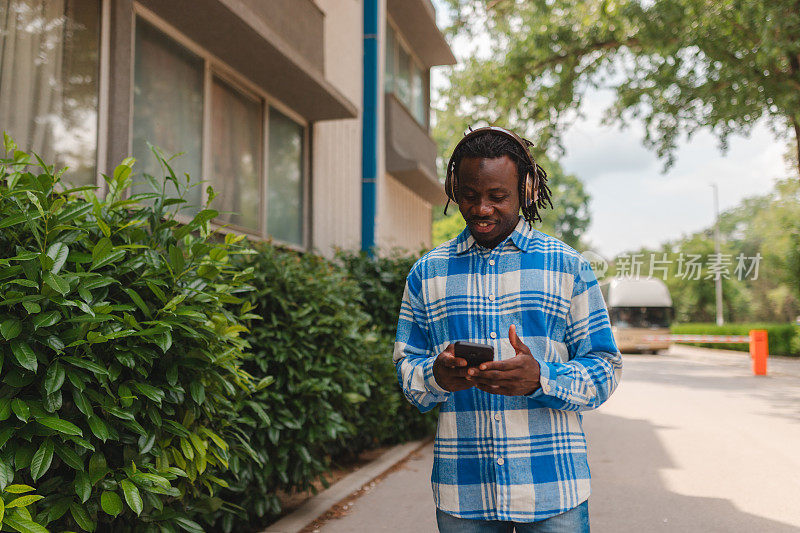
x: 97, y: 467
x: 42, y: 459
x: 198, y: 392
x: 69, y: 456
x: 149, y: 391
x: 204, y: 216
x: 119, y: 413
x: 5, y: 409
x: 31, y: 307
x: 132, y: 496
x: 83, y: 487
x: 163, y: 340
x: 23, y: 524
x: 113, y: 257
x: 24, y: 355
x: 24, y: 501
x: 176, y: 259
x: 138, y: 301
x: 86, y: 364
x: 62, y: 426
x: 10, y: 328
x: 54, y: 377
x: 6, y: 471
x: 81, y: 402
x: 46, y: 320
x: 103, y: 227
x: 98, y: 427
x: 101, y: 250
x: 58, y: 252
x: 111, y: 503
x: 82, y: 517
x: 20, y: 409
x: 57, y: 283
x: 19, y: 489
x: 188, y: 525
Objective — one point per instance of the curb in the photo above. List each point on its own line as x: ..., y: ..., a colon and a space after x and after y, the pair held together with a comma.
x: 316, y: 506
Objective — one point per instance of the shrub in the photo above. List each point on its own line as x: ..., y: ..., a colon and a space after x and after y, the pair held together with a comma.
x: 783, y: 339
x: 312, y: 340
x: 120, y: 355
x: 388, y: 417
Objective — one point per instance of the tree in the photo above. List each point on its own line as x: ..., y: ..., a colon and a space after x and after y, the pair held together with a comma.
x: 567, y: 220
x: 678, y: 65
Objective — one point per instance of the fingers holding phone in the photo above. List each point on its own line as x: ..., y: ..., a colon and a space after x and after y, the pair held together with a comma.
x: 450, y: 372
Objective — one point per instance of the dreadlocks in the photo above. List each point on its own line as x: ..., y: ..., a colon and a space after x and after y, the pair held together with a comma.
x: 490, y: 145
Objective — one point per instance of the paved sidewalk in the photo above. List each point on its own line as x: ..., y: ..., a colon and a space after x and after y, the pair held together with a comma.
x: 401, y: 503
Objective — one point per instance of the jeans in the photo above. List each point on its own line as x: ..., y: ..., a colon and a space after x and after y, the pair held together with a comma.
x: 575, y: 520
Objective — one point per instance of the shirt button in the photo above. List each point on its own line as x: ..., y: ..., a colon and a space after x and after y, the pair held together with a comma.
x: 491, y: 262
x: 497, y: 416
x: 493, y: 335
x: 500, y: 461
x: 491, y: 297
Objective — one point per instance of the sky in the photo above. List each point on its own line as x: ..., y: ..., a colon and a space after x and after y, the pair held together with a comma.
x: 634, y: 203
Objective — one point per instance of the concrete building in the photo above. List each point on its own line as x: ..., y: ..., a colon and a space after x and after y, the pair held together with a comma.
x: 310, y: 118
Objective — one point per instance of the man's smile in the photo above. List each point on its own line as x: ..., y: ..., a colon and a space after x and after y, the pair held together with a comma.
x: 483, y: 226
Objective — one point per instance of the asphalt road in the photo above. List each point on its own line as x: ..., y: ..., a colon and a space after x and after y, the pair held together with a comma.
x: 690, y: 442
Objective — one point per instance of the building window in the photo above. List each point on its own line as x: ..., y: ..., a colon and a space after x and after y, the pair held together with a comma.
x: 405, y: 77
x: 285, y: 208
x: 167, y: 107
x: 236, y: 132
x: 253, y: 154
x: 49, y: 62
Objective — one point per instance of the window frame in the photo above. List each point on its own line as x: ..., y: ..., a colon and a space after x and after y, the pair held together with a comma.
x: 400, y: 41
x: 216, y: 67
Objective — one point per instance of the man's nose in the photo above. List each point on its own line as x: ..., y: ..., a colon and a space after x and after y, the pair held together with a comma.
x: 484, y: 208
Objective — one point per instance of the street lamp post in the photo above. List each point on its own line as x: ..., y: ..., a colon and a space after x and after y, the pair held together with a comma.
x: 717, y: 277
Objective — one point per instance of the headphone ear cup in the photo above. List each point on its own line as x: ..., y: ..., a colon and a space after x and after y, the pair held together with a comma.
x: 529, y: 191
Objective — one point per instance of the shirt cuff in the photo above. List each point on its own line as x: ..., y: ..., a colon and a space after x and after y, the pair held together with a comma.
x: 546, y: 380
x: 430, y: 380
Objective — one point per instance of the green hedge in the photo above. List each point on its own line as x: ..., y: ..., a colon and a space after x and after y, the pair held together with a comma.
x: 783, y: 339
x: 140, y: 391
x: 120, y: 355
x: 382, y: 281
x: 325, y: 335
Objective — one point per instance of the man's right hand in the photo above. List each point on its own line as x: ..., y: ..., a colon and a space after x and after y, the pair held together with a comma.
x: 450, y: 372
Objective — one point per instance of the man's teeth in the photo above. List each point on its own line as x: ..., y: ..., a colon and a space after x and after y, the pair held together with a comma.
x: 483, y: 224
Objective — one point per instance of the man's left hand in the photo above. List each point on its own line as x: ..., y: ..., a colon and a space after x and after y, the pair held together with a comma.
x: 517, y: 376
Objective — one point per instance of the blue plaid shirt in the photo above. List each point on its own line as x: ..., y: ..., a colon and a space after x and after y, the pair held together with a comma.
x: 517, y: 458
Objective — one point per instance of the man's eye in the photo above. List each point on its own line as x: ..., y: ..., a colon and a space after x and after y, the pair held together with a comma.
x: 498, y: 198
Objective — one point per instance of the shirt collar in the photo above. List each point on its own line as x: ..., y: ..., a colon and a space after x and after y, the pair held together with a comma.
x: 522, y: 237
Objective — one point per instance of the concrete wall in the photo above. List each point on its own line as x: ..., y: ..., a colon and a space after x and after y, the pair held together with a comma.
x: 405, y: 218
x: 336, y: 144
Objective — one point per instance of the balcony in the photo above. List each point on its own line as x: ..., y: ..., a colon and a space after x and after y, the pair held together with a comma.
x: 410, y: 153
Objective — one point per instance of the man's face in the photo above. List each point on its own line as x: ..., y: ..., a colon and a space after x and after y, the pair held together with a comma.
x: 488, y: 198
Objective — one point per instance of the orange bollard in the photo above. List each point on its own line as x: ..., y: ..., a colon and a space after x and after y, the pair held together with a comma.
x: 759, y: 350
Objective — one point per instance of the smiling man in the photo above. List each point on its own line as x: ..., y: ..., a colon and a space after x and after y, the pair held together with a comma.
x: 510, y: 453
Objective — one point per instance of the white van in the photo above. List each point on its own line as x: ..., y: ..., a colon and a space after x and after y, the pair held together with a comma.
x: 638, y: 308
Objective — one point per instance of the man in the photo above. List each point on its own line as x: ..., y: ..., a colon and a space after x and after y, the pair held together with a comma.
x: 510, y: 452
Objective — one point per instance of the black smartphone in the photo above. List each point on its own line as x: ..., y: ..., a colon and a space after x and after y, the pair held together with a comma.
x: 474, y: 352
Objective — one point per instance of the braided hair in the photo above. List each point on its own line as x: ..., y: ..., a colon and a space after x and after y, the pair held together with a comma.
x: 491, y: 145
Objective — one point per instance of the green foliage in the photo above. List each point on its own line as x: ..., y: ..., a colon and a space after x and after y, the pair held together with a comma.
x: 678, y: 65
x: 120, y: 357
x: 325, y: 337
x: 782, y: 339
x: 310, y: 341
x: 388, y: 417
